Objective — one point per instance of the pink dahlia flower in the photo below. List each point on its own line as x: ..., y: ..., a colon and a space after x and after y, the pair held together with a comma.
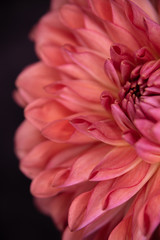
x: 91, y: 138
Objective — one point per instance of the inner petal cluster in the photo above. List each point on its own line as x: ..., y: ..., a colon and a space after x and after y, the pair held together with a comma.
x: 140, y: 85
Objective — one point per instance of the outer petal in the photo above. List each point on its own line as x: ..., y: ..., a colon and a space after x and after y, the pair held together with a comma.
x: 26, y: 138
x: 43, y: 111
x: 33, y: 79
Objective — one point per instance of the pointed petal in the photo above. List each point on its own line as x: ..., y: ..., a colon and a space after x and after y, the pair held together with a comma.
x: 62, y: 131
x: 117, y: 162
x: 76, y: 214
x: 44, y: 185
x: 72, y: 16
x: 122, y: 36
x: 33, y: 79
x: 101, y: 43
x: 36, y: 160
x: 42, y: 111
x: 128, y: 185
x: 107, y: 131
x: 121, y: 119
x: 84, y: 165
x: 149, y: 216
x: 26, y: 138
x: 92, y: 64
x: 123, y: 229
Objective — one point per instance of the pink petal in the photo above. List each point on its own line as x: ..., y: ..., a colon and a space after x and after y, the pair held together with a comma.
x: 123, y: 229
x: 153, y: 30
x: 117, y: 162
x: 145, y: 127
x: 147, y: 7
x: 121, y: 119
x: 84, y: 164
x: 107, y: 131
x: 92, y: 64
x: 122, y: 36
x: 148, y: 151
x: 128, y: 185
x: 120, y: 53
x: 143, y: 55
x: 101, y: 42
x: 112, y: 73
x: 92, y: 206
x: 149, y: 216
x: 106, y: 100
x: 125, y: 68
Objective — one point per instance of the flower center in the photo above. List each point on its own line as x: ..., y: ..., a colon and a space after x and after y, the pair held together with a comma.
x: 144, y: 81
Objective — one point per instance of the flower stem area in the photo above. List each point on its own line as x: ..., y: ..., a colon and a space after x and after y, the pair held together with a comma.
x: 19, y: 218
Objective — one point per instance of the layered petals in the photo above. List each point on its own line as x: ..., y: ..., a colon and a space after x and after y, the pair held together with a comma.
x: 90, y: 142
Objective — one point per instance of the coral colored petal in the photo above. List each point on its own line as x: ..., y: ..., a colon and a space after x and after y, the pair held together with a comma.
x: 33, y: 79
x: 102, y: 9
x: 76, y: 211
x: 123, y: 229
x: 68, y: 235
x: 44, y: 185
x: 36, y: 160
x: 26, y: 138
x: 51, y: 31
x: 101, y: 43
x: 72, y: 16
x: 62, y: 131
x: 43, y: 111
x: 74, y: 71
x: 92, y: 64
x: 149, y: 216
x: 122, y: 36
x: 51, y: 55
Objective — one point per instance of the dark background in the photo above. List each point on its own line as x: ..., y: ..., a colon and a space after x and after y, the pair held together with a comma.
x: 19, y: 220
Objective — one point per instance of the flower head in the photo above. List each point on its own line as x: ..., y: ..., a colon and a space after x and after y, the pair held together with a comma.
x: 91, y: 138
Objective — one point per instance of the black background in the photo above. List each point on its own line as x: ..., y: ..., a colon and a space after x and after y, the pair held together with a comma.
x: 18, y: 217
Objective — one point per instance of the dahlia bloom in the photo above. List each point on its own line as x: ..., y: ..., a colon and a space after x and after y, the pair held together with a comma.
x: 90, y: 141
